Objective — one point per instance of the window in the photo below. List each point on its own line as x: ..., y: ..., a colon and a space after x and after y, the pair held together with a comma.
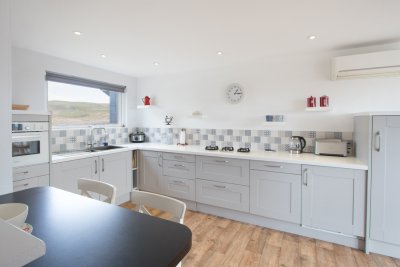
x: 78, y: 101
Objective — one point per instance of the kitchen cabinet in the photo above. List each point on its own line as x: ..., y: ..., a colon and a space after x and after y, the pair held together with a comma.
x: 225, y: 195
x: 150, y: 171
x: 112, y: 168
x: 275, y: 194
x: 178, y: 176
x: 116, y: 169
x: 31, y: 182
x: 226, y: 170
x: 65, y: 175
x: 385, y: 182
x: 333, y: 199
x: 30, y: 176
x: 223, y: 182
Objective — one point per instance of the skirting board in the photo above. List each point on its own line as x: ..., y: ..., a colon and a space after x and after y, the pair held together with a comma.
x: 384, y: 248
x: 349, y: 241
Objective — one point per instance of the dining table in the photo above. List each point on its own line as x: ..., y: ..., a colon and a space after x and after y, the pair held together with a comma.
x: 79, y: 231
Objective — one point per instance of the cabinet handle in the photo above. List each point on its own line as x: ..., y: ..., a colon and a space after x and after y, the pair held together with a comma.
x: 160, y: 160
x: 179, y: 157
x: 274, y: 166
x: 102, y: 165
x: 377, y: 145
x: 95, y: 166
x: 25, y: 184
x: 222, y: 161
x: 179, y: 165
x: 25, y: 172
x: 177, y: 182
x: 305, y: 177
x: 220, y: 186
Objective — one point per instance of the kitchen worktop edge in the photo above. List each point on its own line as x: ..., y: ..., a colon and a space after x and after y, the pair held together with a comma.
x: 284, y: 157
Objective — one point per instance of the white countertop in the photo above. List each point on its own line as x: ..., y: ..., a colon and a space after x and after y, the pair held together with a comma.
x: 378, y: 113
x: 285, y: 157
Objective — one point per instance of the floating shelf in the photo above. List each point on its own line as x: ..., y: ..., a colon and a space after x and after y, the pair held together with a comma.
x: 197, y: 116
x: 275, y: 123
x: 318, y: 109
x: 144, y: 106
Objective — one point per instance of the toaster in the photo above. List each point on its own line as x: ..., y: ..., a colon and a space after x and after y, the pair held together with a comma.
x: 332, y: 147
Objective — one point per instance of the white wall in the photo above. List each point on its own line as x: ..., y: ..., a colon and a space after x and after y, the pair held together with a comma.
x: 30, y: 88
x: 278, y: 85
x: 5, y: 99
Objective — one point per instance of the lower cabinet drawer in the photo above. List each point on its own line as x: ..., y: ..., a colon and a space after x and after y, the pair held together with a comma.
x: 223, y: 195
x: 22, y: 173
x: 30, y: 183
x: 179, y: 169
x: 180, y: 188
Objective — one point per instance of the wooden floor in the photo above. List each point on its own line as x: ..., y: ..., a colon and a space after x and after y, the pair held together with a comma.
x: 223, y: 242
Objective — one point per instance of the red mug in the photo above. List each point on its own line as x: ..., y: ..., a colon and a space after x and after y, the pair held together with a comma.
x: 146, y: 100
x: 311, y: 102
x: 324, y: 101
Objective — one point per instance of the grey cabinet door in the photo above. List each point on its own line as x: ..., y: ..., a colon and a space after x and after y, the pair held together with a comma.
x: 385, y: 180
x: 333, y: 199
x: 115, y: 169
x: 275, y: 195
x: 150, y: 171
x: 65, y: 175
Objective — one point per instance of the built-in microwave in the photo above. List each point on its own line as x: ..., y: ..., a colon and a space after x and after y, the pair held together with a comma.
x: 30, y: 143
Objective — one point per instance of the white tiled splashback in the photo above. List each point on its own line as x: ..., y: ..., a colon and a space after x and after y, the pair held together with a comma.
x: 77, y: 139
x: 255, y: 139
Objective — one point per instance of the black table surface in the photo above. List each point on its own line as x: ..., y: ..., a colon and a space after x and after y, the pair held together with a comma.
x: 79, y: 231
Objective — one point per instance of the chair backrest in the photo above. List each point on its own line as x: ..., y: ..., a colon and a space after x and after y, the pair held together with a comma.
x: 87, y: 186
x: 173, y: 206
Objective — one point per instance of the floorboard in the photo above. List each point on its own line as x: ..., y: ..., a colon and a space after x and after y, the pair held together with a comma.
x: 222, y: 242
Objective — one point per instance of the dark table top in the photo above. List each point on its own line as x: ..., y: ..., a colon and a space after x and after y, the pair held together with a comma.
x: 79, y: 231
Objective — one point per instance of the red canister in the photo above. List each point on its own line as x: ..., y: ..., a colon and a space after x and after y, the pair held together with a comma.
x: 324, y: 101
x: 311, y: 102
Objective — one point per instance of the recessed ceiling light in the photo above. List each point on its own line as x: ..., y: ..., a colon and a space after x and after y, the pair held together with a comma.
x: 219, y: 53
x: 312, y: 37
x: 156, y: 63
x: 77, y: 33
x: 103, y: 56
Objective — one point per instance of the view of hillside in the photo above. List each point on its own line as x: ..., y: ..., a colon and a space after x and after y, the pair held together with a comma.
x: 65, y: 112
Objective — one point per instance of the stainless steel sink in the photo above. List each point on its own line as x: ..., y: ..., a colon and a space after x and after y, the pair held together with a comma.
x: 102, y: 148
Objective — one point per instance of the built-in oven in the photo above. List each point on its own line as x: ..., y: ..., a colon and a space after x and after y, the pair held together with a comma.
x: 30, y: 143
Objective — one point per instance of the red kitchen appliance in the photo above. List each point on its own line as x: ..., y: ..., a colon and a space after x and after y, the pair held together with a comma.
x: 324, y: 101
x: 311, y: 102
x: 146, y: 100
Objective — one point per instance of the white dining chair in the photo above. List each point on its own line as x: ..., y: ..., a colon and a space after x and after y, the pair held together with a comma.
x: 88, y: 186
x: 144, y: 200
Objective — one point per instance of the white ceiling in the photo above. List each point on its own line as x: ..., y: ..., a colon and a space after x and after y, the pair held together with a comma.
x: 184, y: 35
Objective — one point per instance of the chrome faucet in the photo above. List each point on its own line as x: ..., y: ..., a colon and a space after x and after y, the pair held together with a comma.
x: 91, y: 145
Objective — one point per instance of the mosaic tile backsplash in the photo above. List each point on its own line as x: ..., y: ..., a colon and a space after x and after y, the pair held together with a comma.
x: 254, y: 139
x: 78, y: 139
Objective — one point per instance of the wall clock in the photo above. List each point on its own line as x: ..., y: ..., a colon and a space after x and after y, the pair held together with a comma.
x: 234, y: 93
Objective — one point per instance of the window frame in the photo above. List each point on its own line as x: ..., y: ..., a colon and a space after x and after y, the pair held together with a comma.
x: 122, y: 116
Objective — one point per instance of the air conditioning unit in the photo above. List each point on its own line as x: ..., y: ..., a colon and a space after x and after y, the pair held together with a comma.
x: 378, y: 64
